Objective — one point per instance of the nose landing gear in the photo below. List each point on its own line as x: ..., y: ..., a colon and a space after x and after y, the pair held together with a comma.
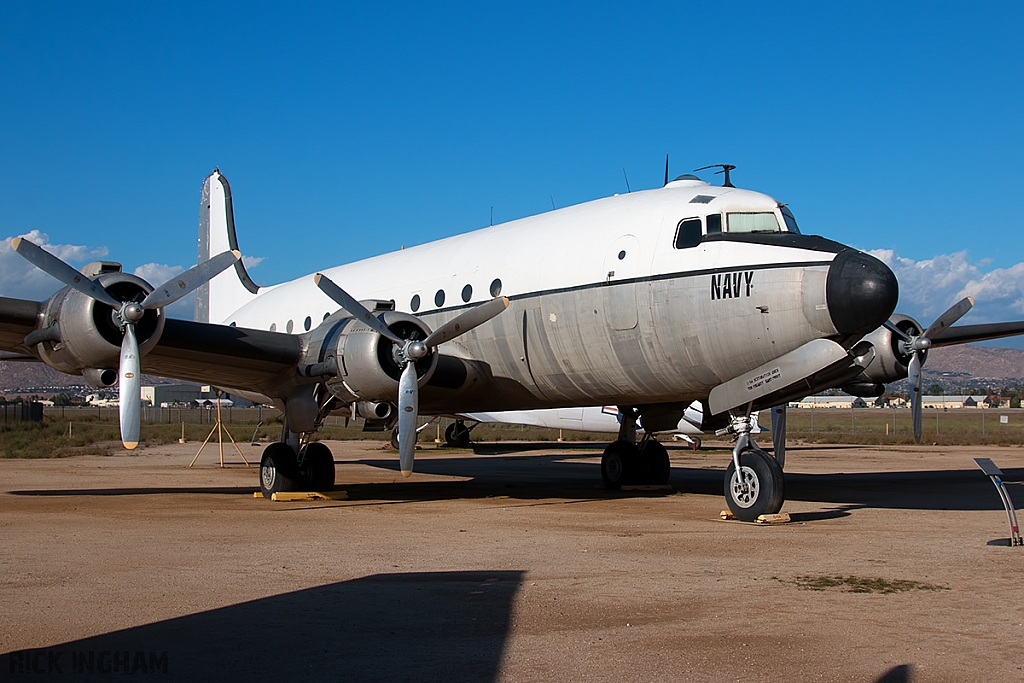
x: 754, y: 482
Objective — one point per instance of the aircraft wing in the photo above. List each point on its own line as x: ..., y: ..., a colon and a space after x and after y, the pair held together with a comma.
x: 235, y: 357
x: 17, y: 318
x: 963, y: 334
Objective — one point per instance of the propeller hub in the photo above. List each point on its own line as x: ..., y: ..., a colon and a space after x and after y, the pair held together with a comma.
x: 922, y: 344
x: 133, y: 312
x: 416, y: 350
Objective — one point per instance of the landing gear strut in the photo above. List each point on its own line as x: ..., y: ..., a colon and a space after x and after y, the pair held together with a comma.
x: 754, y: 482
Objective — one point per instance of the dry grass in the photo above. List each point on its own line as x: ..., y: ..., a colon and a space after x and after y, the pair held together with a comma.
x: 857, y: 584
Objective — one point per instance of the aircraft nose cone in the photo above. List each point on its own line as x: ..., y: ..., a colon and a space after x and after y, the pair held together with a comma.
x: 860, y: 291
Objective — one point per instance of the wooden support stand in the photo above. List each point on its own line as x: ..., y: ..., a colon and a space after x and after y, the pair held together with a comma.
x: 221, y: 430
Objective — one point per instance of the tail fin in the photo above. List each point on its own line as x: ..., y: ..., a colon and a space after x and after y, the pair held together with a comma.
x: 230, y: 290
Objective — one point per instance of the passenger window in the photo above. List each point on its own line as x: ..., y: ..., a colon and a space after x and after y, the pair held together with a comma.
x: 714, y: 221
x: 688, y: 233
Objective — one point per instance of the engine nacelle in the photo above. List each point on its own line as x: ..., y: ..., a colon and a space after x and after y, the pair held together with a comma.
x: 82, y: 333
x: 364, y: 363
x: 891, y: 358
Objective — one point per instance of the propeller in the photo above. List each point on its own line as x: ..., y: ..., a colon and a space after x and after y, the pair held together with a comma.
x: 916, y: 346
x: 126, y: 315
x: 407, y: 352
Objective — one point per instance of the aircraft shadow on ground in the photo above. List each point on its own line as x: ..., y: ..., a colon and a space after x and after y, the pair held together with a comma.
x: 434, y: 626
x: 575, y: 475
x: 140, y: 491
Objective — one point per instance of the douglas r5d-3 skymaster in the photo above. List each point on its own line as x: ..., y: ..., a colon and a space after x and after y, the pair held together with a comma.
x: 647, y: 301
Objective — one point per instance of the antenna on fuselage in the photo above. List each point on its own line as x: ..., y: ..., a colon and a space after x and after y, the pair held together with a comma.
x: 725, y: 169
x: 627, y: 179
x: 666, y: 170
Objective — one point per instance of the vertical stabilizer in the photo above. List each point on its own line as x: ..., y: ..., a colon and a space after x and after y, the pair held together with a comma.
x: 232, y: 289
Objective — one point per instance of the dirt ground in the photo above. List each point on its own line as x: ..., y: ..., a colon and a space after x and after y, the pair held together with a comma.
x: 509, y: 563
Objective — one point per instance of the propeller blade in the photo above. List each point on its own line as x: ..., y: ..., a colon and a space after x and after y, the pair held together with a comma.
x: 889, y: 325
x: 129, y: 389
x: 954, y: 313
x: 51, y: 265
x: 914, y: 379
x: 467, y: 321
x: 779, y: 433
x: 345, y: 300
x: 182, y: 284
x: 408, y: 408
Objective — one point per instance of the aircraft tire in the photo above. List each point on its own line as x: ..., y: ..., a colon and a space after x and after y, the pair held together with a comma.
x: 318, y: 467
x: 619, y: 465
x: 456, y: 435
x: 655, y: 466
x: 279, y: 469
x: 767, y: 484
x: 695, y: 443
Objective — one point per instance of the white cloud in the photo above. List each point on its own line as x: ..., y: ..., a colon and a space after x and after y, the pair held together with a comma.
x: 22, y: 280
x: 251, y: 262
x: 157, y: 273
x: 929, y: 287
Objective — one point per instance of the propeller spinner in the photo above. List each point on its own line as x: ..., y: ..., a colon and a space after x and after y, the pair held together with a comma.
x: 126, y: 315
x: 409, y: 351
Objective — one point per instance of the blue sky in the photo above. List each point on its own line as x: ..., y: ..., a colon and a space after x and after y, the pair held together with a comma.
x: 348, y: 130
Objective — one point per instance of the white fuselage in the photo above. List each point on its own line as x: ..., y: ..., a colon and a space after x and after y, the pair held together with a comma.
x: 604, y: 307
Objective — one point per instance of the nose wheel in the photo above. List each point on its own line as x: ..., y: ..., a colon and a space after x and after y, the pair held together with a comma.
x: 758, y: 488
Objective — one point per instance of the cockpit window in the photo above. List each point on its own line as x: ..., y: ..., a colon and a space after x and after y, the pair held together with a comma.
x: 688, y: 233
x: 787, y: 215
x: 761, y: 221
x: 714, y: 221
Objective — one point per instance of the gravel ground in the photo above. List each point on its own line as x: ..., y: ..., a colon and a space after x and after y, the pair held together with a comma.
x: 509, y: 564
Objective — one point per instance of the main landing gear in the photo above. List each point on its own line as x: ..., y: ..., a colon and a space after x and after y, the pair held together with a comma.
x: 456, y: 434
x: 626, y: 462
x: 754, y: 482
x: 281, y: 469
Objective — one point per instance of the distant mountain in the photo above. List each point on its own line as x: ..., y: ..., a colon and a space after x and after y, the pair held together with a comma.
x: 977, y: 361
x: 18, y: 377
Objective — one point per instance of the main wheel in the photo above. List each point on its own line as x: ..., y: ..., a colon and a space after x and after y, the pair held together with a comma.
x: 317, y: 467
x: 695, y: 443
x: 279, y: 469
x: 655, y: 466
x: 456, y: 435
x: 619, y: 464
x: 765, y: 489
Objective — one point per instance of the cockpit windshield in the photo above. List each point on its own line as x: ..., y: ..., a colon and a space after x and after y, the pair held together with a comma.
x: 750, y: 221
x: 787, y: 215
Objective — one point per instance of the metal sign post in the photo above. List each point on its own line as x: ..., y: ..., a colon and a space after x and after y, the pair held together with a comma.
x: 996, y: 475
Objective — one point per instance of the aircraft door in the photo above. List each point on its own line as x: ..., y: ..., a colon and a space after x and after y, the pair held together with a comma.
x: 621, y: 265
